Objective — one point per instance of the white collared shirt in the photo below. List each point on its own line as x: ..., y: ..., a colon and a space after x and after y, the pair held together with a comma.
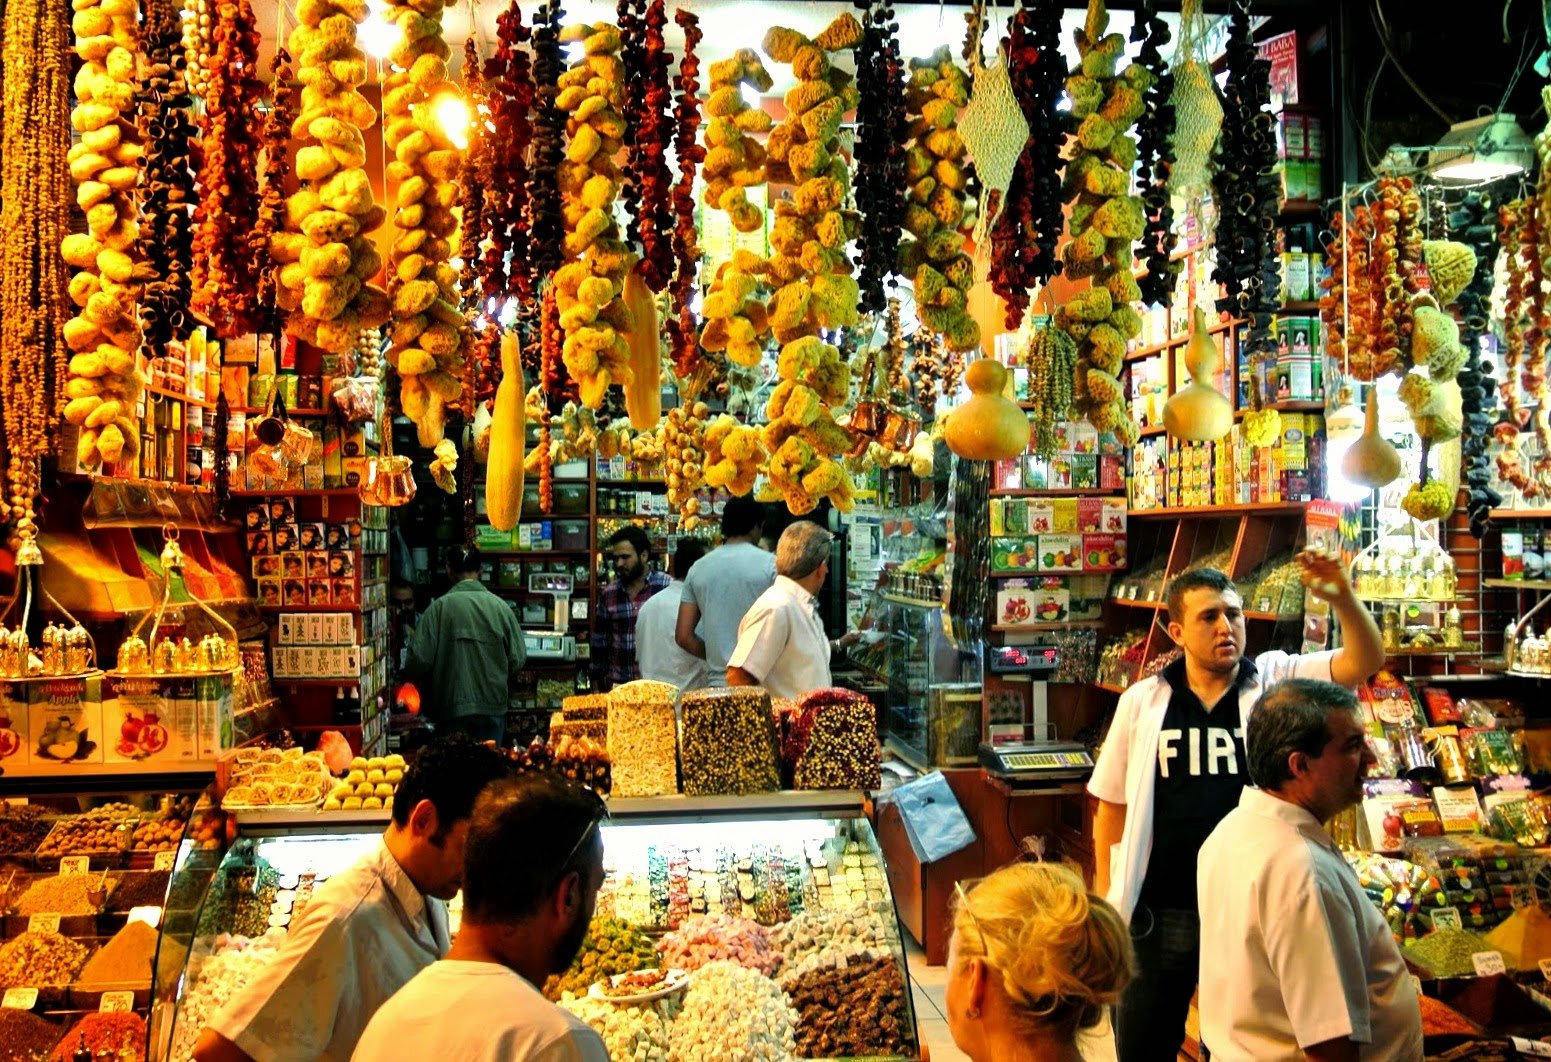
x: 365, y: 935
x: 476, y: 1012
x: 1293, y: 952
x: 1127, y: 770
x: 781, y: 642
x: 656, y: 652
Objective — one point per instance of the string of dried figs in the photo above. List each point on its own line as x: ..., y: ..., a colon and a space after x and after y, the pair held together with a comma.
x: 34, y: 172
x: 167, y: 182
x: 1517, y: 233
x: 546, y: 216
x: 275, y: 135
x: 326, y: 255
x: 226, y: 214
x: 509, y: 88
x: 647, y: 154
x: 104, y: 385
x: 630, y: 20
x: 1155, y: 160
x: 589, y: 288
x: 197, y: 37
x: 879, y: 155
x: 690, y: 154
x: 428, y: 329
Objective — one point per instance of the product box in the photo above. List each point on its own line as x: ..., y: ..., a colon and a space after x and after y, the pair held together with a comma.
x: 319, y: 592
x: 1103, y: 552
x: 64, y: 720
x: 258, y: 543
x: 1064, y: 516
x: 293, y: 565
x: 268, y: 590
x: 1041, y: 516
x: 1090, y: 515
x: 341, y: 565
x: 138, y: 721
x: 1036, y: 472
x: 343, y: 593
x: 1026, y: 606
x: 265, y: 565
x: 309, y: 535
x: 1060, y: 553
x: 293, y: 592
x: 1459, y: 809
x: 1015, y: 554
x: 15, y: 749
x: 317, y: 563
x: 283, y: 538
x: 1017, y: 514
x: 1085, y: 471
x: 1112, y: 472
x: 1114, y: 515
x: 1513, y: 554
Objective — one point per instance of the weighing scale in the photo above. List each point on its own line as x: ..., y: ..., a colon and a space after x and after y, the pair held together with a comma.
x: 557, y: 643
x: 1033, y: 764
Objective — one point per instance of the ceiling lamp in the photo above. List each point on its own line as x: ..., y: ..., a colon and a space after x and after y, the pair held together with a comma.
x: 1482, y: 149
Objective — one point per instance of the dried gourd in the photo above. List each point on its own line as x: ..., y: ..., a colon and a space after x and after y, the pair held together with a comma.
x: 643, y: 393
x: 989, y: 426
x: 1371, y: 461
x: 1198, y: 412
x: 504, y: 469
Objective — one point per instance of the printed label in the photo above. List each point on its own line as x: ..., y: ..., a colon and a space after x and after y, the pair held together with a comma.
x: 116, y: 1003
x: 75, y: 865
x: 1447, y: 918
x: 20, y: 998
x: 43, y: 923
x: 165, y: 860
x: 1488, y: 963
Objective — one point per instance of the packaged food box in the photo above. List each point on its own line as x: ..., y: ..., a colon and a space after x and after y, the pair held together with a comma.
x: 1015, y: 554
x: 15, y: 749
x: 1058, y: 553
x: 64, y: 717
x: 1103, y: 553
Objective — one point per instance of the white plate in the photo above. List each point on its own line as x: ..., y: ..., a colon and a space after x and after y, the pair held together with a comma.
x: 676, y: 980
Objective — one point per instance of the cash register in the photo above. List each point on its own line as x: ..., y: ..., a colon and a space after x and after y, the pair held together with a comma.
x: 557, y: 643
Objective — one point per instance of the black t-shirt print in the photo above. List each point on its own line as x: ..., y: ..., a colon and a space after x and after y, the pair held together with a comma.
x: 1201, y: 770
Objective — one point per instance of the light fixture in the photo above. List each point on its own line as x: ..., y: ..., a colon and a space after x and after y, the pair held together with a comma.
x: 376, y: 35
x: 451, y: 112
x: 1482, y: 149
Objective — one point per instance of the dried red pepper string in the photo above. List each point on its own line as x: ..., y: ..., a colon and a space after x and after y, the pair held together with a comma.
x: 544, y: 212
x: 510, y: 91
x: 648, y: 151
x: 277, y: 172
x: 682, y: 325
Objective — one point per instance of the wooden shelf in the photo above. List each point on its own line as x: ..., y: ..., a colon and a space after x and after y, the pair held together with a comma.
x: 1438, y: 650
x: 327, y: 492
x: 1159, y: 606
x: 1177, y: 341
x: 535, y: 552
x: 1296, y: 208
x: 1521, y: 514
x: 164, y: 392
x: 628, y: 482
x: 1517, y: 584
x: 1036, y: 628
x: 1152, y: 432
x: 1257, y: 509
x: 1073, y: 492
x: 1299, y: 306
x: 258, y: 411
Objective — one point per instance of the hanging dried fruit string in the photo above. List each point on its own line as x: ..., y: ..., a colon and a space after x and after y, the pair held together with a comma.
x: 1245, y: 189
x: 551, y: 341
x: 1015, y: 245
x: 879, y: 155
x: 104, y: 386
x: 1476, y: 386
x: 630, y: 20
x: 545, y: 216
x: 225, y: 269
x: 503, y: 174
x: 1052, y: 361
x: 166, y: 231
x: 34, y: 139
x: 481, y: 371
x: 689, y: 154
x: 1518, y: 234
x: 274, y: 134
x: 647, y: 153
x: 1155, y: 160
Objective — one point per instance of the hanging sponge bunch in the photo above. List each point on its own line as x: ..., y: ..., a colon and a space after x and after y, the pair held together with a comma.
x: 939, y: 213
x: 815, y: 288
x: 1105, y: 221
x: 325, y: 253
x: 734, y: 160
x: 589, y: 288
x: 736, y: 321
x: 733, y: 455
x: 801, y: 435
x: 103, y: 388
x: 429, y: 332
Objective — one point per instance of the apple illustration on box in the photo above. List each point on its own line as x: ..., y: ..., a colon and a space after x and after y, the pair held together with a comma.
x: 10, y: 741
x: 60, y: 740
x: 141, y: 736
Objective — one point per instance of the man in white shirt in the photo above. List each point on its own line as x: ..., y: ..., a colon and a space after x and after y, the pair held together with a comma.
x: 657, y: 650
x: 781, y: 642
x: 533, y: 870
x: 367, y: 931
x: 1172, y: 766
x: 723, y: 586
x: 1297, y: 962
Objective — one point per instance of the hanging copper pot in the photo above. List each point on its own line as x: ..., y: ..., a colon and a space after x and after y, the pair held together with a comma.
x: 389, y: 481
x: 865, y: 418
x: 899, y: 430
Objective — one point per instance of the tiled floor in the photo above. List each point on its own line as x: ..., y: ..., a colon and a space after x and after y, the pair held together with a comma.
x: 928, y: 985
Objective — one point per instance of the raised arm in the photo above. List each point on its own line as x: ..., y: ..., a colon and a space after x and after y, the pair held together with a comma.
x: 1362, y: 645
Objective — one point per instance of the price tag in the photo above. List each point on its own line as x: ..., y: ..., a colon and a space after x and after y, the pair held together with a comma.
x: 165, y: 860
x: 151, y: 916
x: 75, y: 865
x: 116, y: 1003
x: 20, y: 998
x: 1530, y: 1048
x: 1488, y: 963
x: 1447, y: 918
x: 43, y: 923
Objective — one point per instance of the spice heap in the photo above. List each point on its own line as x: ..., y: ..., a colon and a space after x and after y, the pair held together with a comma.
x: 40, y: 959
x: 1447, y: 952
x: 138, y: 888
x: 728, y: 742
x: 24, y: 1036
x: 851, y: 1006
x: 63, y: 894
x: 732, y: 1012
x: 121, y: 1035
x: 98, y: 830
x: 719, y: 938
x: 643, y: 739
x: 104, y: 384
x: 611, y: 947
x: 22, y: 829
x: 128, y: 959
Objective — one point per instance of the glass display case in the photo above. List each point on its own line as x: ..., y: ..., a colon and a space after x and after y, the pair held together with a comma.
x: 792, y: 886
x: 932, y: 714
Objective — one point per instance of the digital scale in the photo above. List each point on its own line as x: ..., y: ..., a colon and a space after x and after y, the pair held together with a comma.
x: 557, y: 643
x: 1035, y: 764
x: 1023, y: 659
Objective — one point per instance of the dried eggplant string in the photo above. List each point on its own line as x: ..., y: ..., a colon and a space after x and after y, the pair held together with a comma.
x: 879, y: 155
x: 1155, y: 161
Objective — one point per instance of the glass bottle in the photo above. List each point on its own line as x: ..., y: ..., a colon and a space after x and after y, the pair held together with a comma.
x: 1363, y: 576
x: 1453, y: 634
x: 1449, y: 579
x: 1394, y: 582
x: 1391, y: 629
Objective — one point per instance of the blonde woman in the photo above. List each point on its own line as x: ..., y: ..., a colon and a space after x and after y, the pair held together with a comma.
x: 1035, y: 960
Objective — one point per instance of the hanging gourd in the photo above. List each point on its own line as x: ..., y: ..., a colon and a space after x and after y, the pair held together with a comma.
x: 1371, y: 461
x: 989, y: 426
x: 1199, y: 412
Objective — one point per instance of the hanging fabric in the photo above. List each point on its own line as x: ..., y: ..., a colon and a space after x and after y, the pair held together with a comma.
x: 995, y: 132
x: 1197, y: 108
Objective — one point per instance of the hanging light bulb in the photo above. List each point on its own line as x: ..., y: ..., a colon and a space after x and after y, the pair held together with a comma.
x: 451, y: 112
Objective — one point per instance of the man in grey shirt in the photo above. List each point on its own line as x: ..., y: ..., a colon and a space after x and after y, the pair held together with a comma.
x: 722, y: 586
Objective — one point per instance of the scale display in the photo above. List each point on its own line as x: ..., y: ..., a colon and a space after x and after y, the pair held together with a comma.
x: 1037, y: 763
x: 1023, y: 659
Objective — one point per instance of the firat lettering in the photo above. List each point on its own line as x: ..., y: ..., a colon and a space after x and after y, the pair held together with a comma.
x: 1221, y: 752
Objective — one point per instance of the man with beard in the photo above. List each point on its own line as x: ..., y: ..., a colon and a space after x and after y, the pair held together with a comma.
x: 532, y: 871
x: 1173, y: 765
x: 619, y: 606
x: 368, y: 931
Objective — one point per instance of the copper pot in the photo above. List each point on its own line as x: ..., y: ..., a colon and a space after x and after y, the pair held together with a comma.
x: 864, y: 418
x: 899, y: 431
x: 389, y: 481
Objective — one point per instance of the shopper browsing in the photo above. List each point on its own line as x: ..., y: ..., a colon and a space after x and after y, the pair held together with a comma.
x: 613, y: 660
x: 367, y: 931
x: 1034, y: 961
x: 533, y: 868
x: 657, y: 648
x: 1297, y: 962
x: 1173, y: 765
x: 723, y: 587
x: 470, y: 650
x: 781, y: 642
